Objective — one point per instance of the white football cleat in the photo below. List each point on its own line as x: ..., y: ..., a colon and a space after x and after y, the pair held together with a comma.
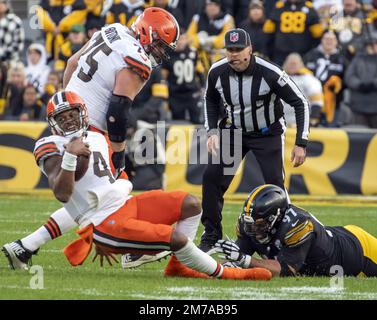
x: 131, y: 260
x: 18, y: 256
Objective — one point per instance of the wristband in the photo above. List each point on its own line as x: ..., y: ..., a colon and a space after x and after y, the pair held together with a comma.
x: 246, y: 261
x: 69, y: 162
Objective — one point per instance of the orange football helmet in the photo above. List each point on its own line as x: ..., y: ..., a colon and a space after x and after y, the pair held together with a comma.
x: 63, y: 101
x: 158, y: 32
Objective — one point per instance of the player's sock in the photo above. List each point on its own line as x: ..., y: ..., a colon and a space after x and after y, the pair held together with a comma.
x: 59, y: 223
x: 175, y: 268
x: 191, y: 256
x: 189, y: 226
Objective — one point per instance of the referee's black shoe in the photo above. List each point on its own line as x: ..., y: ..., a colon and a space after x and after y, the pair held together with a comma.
x: 208, y: 241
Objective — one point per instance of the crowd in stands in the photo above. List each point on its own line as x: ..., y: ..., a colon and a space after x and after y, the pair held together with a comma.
x: 328, y: 47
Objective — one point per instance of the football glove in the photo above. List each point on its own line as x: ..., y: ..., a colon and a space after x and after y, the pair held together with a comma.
x: 231, y: 264
x: 119, y: 162
x: 233, y: 253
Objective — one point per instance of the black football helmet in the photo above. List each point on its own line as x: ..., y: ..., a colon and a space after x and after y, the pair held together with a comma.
x: 262, y: 212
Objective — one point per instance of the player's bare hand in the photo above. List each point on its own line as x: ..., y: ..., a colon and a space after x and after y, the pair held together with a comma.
x: 102, y: 253
x: 78, y: 147
x: 298, y: 156
x: 213, y: 144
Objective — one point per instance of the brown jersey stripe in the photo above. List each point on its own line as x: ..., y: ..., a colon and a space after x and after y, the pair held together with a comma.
x: 44, y: 146
x: 50, y: 231
x: 55, y: 226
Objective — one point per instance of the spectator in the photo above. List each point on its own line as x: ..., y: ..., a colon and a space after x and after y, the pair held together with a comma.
x: 254, y: 26
x: 361, y: 79
x: 56, y: 19
x: 31, y: 105
x: 12, y: 34
x: 176, y: 12
x: 96, y: 11
x: 206, y: 32
x: 188, y: 8
x: 125, y: 12
x: 94, y: 25
x: 308, y: 84
x: 293, y: 26
x: 76, y: 40
x: 349, y: 27
x: 328, y: 65
x: 37, y: 69
x: 53, y: 85
x: 150, y: 104
x: 15, y: 88
x: 236, y: 8
x: 182, y: 72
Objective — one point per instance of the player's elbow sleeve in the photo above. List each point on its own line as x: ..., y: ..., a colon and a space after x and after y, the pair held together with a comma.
x: 117, y: 117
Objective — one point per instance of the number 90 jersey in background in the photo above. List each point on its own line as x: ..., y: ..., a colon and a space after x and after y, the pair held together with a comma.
x: 110, y: 50
x: 97, y: 194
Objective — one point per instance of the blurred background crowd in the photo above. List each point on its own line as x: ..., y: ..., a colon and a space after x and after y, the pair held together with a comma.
x: 329, y: 47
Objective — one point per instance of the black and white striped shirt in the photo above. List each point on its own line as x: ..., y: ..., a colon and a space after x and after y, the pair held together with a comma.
x: 252, y: 98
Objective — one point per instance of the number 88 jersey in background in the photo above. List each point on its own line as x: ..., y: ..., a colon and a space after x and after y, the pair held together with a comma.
x: 109, y: 50
x: 292, y: 26
x: 97, y: 194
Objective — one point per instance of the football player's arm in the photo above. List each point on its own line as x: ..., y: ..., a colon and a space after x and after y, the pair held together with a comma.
x: 72, y: 65
x: 128, y: 84
x: 235, y: 253
x: 60, y: 170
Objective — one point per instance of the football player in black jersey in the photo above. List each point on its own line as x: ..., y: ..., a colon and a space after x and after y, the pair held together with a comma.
x: 292, y: 241
x: 185, y: 76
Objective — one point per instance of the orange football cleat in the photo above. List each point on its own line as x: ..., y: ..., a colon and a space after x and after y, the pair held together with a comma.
x: 178, y: 269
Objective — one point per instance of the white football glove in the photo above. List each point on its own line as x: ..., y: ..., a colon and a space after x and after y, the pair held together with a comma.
x: 231, y: 264
x: 233, y: 253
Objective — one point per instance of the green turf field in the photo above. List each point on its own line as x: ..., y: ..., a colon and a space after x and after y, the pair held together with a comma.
x: 19, y: 215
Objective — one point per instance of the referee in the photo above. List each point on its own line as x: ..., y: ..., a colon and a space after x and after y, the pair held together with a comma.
x: 250, y: 89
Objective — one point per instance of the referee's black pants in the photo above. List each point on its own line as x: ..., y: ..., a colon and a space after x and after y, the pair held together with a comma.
x: 268, y: 151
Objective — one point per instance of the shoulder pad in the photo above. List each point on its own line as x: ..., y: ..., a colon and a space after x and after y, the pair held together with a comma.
x: 298, y: 234
x: 47, y: 147
x: 279, y: 4
x: 139, y: 67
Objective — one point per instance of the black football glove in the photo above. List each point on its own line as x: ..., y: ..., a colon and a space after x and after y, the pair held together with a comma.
x: 119, y: 162
x: 233, y: 253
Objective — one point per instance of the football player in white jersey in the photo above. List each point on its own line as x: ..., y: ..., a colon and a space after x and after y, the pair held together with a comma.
x: 107, y: 215
x: 108, y: 72
x: 112, y: 68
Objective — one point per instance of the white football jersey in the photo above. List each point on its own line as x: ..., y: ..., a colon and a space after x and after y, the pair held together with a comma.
x: 110, y: 50
x: 97, y: 194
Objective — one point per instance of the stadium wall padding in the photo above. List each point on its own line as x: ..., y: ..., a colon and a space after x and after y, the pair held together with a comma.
x: 339, y: 161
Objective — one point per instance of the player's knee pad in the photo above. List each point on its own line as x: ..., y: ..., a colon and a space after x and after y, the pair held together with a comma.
x: 117, y: 117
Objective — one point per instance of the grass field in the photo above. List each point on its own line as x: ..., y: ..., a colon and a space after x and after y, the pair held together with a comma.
x: 20, y: 215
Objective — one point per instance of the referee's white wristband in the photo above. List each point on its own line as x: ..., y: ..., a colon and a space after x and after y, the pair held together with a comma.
x: 69, y: 162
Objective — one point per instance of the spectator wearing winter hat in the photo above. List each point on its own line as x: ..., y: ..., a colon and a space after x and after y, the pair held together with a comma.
x: 254, y: 26
x: 37, y: 69
x: 76, y: 40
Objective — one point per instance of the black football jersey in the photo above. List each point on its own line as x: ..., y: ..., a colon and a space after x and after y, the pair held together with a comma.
x: 182, y: 72
x: 324, y: 66
x: 304, y: 243
x: 292, y: 26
